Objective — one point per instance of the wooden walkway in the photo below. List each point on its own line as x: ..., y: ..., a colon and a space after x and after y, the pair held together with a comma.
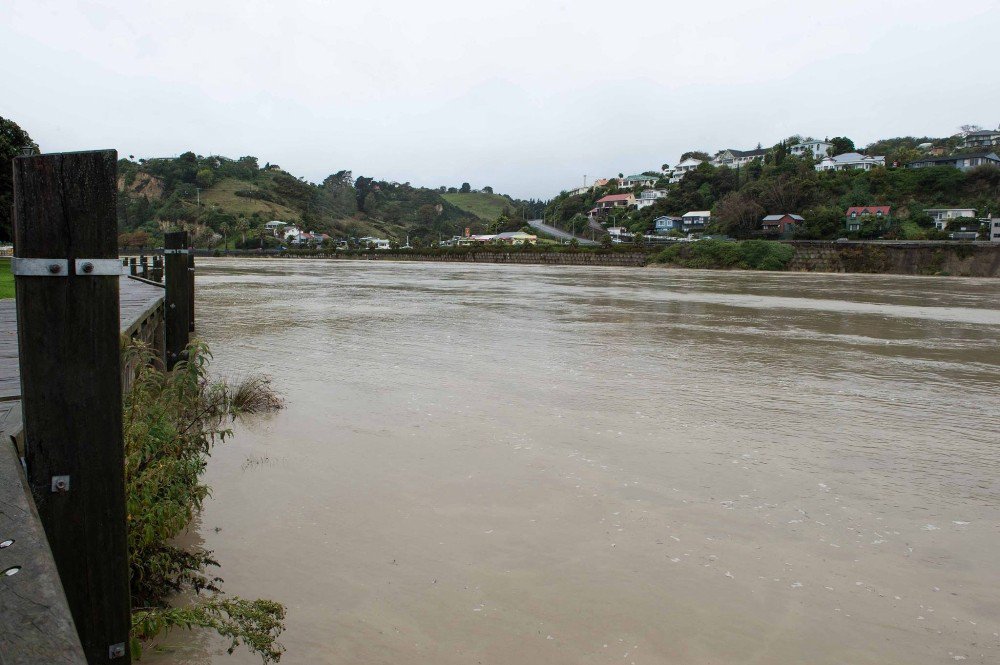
x: 35, y: 621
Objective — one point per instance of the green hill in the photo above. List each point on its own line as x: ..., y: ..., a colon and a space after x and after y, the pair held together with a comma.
x: 483, y: 205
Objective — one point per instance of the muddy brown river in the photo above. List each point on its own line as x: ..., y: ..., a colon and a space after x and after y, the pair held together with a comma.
x: 517, y: 465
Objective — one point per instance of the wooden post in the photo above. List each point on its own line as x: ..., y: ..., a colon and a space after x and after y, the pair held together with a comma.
x: 133, y: 267
x: 157, y: 271
x: 177, y: 304
x: 67, y: 274
x: 144, y: 266
x: 191, y: 286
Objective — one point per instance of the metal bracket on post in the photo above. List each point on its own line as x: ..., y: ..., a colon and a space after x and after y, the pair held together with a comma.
x: 175, y: 251
x: 116, y: 651
x: 60, y: 484
x: 22, y: 267
x: 25, y: 267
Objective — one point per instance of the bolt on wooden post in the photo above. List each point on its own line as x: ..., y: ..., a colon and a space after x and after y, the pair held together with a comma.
x: 178, y: 295
x: 67, y: 275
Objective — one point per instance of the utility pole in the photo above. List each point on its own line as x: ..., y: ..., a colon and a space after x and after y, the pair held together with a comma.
x: 198, y: 195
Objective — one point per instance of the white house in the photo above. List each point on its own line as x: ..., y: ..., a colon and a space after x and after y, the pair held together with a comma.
x: 579, y: 191
x: 850, y: 160
x: 819, y: 149
x: 640, y: 179
x: 942, y: 216
x: 689, y: 164
x: 648, y: 197
x: 983, y: 138
x: 737, y: 158
x: 377, y: 243
x: 275, y: 227
x: 291, y: 233
x: 995, y: 229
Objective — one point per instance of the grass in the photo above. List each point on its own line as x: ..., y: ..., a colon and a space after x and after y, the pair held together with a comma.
x: 486, y: 207
x: 6, y: 280
x: 223, y: 194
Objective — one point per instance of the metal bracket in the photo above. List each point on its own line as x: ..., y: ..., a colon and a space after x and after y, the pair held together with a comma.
x: 22, y: 267
x: 175, y: 251
x: 116, y: 651
x: 25, y: 267
x: 60, y: 484
x: 98, y: 267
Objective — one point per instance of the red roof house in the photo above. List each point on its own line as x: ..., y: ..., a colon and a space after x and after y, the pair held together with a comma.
x: 616, y: 200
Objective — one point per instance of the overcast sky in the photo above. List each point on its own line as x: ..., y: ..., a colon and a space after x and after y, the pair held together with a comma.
x: 527, y: 97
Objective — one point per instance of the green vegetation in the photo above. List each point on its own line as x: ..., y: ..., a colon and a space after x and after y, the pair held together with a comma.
x: 6, y: 280
x: 171, y: 422
x: 747, y: 255
x: 13, y: 141
x: 483, y: 205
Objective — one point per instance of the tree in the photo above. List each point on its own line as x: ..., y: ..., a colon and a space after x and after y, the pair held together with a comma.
x: 13, y: 141
x: 738, y: 214
x: 696, y: 154
x: 466, y: 188
x: 839, y: 145
x: 488, y: 189
x: 224, y: 230
x: 205, y: 178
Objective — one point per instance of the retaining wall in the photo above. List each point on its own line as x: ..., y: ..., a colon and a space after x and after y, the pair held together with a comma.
x: 902, y: 258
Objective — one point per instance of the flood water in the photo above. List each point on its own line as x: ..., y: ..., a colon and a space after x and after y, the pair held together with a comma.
x: 515, y: 464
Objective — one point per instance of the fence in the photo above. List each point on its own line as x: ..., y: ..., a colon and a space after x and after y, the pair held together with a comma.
x: 64, y: 588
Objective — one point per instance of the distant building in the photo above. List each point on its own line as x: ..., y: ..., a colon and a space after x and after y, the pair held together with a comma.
x: 641, y: 180
x: 579, y: 191
x: 995, y: 229
x: 516, y: 238
x: 615, y: 201
x: 695, y: 220
x: 942, y: 216
x: 984, y: 138
x: 819, y: 149
x: 783, y: 224
x: 736, y: 158
x: 666, y: 224
x: 275, y: 227
x: 856, y: 216
x: 648, y: 197
x: 376, y: 243
x: 689, y: 164
x: 961, y: 162
x: 850, y: 160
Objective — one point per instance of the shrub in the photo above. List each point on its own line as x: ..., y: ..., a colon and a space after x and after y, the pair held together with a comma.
x: 748, y: 254
x: 171, y: 422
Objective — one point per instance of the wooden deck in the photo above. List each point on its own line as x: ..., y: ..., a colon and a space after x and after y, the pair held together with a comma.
x: 35, y: 621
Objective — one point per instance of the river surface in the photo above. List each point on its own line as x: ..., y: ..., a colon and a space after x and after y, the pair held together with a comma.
x: 518, y: 465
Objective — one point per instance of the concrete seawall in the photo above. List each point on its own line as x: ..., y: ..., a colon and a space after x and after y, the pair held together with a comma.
x: 898, y: 258
x: 619, y: 259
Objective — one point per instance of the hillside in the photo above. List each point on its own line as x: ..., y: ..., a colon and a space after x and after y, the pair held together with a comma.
x: 782, y: 182
x: 212, y: 195
x: 484, y: 205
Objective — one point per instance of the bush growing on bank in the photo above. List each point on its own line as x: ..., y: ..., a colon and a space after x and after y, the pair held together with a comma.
x: 171, y: 422
x: 746, y: 255
x: 479, y: 249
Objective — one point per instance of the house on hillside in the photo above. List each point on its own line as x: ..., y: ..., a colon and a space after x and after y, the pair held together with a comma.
x: 784, y: 224
x: 942, y: 216
x: 600, y: 182
x: 689, y: 164
x: 984, y: 138
x: 666, y: 224
x: 374, y: 243
x: 960, y: 162
x: 857, y: 215
x: 695, y: 220
x: 850, y: 160
x: 579, y: 191
x: 737, y: 158
x: 641, y: 180
x: 615, y: 201
x: 648, y: 197
x: 819, y: 149
x: 994, y: 229
x: 291, y: 233
x: 274, y: 227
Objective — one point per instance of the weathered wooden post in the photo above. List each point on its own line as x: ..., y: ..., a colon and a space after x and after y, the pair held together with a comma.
x: 67, y: 272
x: 133, y: 267
x: 144, y: 266
x: 191, y: 286
x: 156, y: 273
x: 177, y: 304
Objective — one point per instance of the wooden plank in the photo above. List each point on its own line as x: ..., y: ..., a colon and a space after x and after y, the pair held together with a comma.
x: 177, y: 308
x: 71, y: 387
x: 35, y: 622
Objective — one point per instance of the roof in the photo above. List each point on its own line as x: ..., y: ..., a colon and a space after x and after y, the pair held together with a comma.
x: 643, y: 176
x: 698, y: 213
x: 515, y: 234
x: 775, y: 218
x: 854, y: 157
x: 615, y: 197
x: 870, y: 210
x: 983, y: 132
x: 953, y: 158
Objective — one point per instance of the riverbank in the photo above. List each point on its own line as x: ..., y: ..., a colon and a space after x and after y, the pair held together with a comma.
x: 881, y: 257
